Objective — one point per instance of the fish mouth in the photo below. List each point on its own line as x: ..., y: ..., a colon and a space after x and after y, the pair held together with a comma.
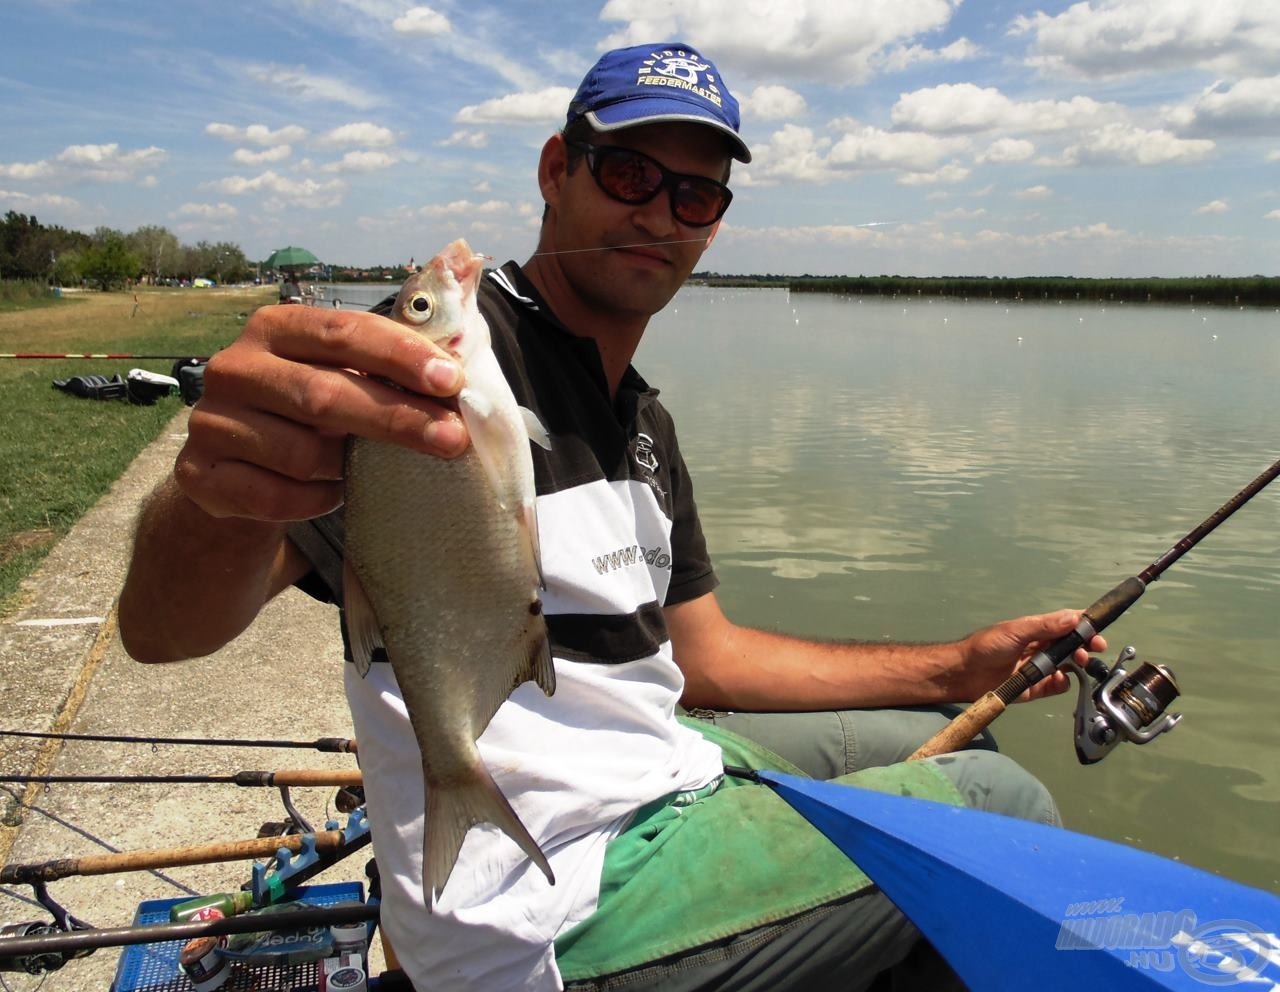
x: 465, y: 265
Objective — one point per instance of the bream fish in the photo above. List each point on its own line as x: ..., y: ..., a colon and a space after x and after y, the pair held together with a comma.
x: 441, y: 569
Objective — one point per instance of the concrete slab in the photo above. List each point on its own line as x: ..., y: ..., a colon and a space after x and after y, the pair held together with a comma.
x: 62, y: 668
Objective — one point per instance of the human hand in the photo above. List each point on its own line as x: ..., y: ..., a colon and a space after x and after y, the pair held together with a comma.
x: 994, y: 653
x: 267, y: 439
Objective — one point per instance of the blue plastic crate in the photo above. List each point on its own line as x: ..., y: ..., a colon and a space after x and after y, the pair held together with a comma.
x: 154, y: 967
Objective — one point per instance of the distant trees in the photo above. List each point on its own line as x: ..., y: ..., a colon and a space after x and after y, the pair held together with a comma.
x: 108, y: 258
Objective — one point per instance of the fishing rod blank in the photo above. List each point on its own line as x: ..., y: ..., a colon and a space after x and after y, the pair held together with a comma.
x: 88, y: 940
x: 101, y: 355
x: 1097, y: 618
x: 271, y: 779
x: 333, y: 745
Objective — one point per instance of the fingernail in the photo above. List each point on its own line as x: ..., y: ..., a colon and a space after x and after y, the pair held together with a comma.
x: 443, y: 375
x: 446, y: 436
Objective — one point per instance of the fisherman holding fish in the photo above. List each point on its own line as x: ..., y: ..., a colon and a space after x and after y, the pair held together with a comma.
x: 525, y: 622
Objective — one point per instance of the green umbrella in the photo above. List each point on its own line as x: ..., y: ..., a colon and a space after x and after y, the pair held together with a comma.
x: 291, y: 257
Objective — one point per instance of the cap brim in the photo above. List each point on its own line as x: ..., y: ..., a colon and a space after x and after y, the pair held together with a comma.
x: 633, y: 113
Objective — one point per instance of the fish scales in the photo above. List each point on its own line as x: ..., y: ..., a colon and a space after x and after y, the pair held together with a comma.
x: 441, y: 570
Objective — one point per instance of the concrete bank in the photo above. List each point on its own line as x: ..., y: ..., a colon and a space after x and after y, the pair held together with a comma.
x: 62, y: 668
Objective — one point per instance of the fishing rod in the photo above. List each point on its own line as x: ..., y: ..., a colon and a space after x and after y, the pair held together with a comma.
x: 268, y: 779
x: 22, y: 950
x: 170, y: 857
x: 101, y: 355
x: 331, y: 745
x: 1123, y: 705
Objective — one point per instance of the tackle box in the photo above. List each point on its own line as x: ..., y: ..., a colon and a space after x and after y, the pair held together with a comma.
x: 154, y: 967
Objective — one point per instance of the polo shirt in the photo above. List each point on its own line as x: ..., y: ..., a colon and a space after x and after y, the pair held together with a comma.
x: 620, y: 540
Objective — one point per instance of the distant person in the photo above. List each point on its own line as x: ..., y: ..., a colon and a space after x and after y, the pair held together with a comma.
x: 290, y: 291
x: 670, y: 875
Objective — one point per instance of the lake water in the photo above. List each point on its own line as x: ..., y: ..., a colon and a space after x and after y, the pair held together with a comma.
x: 915, y: 469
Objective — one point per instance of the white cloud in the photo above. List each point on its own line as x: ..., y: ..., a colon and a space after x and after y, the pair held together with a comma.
x: 1273, y: 156
x: 464, y: 208
x: 256, y: 134
x: 466, y: 139
x: 960, y: 213
x: 964, y: 107
x: 792, y: 153
x: 1274, y: 215
x: 361, y: 133
x: 209, y: 211
x: 865, y: 147
x: 422, y: 22
x: 904, y: 57
x: 1111, y: 38
x: 1213, y: 207
x: 1040, y: 192
x: 362, y: 161
x: 801, y: 39
x: 296, y: 83
x: 107, y: 163
x: 952, y: 172
x: 295, y: 192
x: 536, y: 107
x: 1250, y: 107
x: 1119, y: 144
x: 1008, y: 150
x: 773, y: 103
x: 12, y: 198
x: 246, y: 157
x: 26, y: 170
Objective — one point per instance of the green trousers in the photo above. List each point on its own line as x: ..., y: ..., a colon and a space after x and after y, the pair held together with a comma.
x: 730, y: 889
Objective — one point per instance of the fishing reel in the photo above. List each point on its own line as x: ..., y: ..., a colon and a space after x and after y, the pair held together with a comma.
x: 1115, y: 704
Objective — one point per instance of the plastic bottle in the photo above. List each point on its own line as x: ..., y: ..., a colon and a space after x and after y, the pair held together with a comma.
x: 211, y: 907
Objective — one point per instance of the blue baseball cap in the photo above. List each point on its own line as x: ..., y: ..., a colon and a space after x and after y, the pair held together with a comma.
x: 654, y: 84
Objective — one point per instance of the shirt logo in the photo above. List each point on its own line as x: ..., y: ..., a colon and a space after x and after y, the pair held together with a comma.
x: 643, y: 452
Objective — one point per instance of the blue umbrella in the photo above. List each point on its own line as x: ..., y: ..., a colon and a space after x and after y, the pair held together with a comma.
x: 1017, y: 905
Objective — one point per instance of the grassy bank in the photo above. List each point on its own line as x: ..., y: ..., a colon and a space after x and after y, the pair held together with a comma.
x: 60, y: 453
x: 25, y: 294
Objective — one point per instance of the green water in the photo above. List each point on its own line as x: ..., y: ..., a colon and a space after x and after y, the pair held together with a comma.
x: 913, y: 470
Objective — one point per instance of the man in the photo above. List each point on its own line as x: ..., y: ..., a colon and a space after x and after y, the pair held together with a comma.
x: 668, y: 874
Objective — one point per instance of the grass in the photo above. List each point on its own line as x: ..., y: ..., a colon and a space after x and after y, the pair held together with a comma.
x: 59, y: 453
x: 25, y: 294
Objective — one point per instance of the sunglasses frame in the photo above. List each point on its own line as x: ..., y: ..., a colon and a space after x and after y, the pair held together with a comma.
x: 670, y: 181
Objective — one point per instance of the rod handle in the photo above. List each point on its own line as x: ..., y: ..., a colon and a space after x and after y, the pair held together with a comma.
x: 963, y: 729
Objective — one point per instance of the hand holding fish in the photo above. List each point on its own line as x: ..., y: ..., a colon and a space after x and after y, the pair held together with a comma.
x: 266, y: 440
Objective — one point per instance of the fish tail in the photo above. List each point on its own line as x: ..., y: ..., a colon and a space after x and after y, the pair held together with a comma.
x: 452, y: 811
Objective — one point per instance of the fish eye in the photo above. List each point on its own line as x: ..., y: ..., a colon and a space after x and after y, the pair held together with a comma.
x: 419, y: 308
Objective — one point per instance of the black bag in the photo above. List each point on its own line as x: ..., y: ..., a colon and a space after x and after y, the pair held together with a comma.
x: 190, y: 375
x: 94, y: 387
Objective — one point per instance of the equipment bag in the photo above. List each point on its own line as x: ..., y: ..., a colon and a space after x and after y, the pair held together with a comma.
x: 190, y: 375
x: 94, y: 387
x: 144, y: 387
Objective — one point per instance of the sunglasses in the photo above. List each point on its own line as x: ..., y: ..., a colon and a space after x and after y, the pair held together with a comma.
x: 633, y: 177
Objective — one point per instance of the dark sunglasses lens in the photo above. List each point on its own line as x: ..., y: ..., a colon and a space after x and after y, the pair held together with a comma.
x: 699, y: 203
x: 630, y: 177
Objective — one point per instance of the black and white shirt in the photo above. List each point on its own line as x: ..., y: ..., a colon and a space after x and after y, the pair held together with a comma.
x: 620, y: 540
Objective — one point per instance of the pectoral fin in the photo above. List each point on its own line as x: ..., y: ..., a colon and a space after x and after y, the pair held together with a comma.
x: 533, y: 426
x: 363, y: 632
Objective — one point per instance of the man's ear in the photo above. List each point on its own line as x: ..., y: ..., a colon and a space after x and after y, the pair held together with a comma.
x: 711, y: 235
x: 553, y: 169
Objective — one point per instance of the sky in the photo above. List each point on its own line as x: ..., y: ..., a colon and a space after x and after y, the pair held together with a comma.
x: 910, y: 137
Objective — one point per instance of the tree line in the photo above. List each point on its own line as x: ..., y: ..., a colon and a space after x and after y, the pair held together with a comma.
x: 108, y: 258
x: 1254, y: 290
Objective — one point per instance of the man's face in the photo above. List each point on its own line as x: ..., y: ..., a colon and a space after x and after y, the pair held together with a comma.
x: 649, y: 253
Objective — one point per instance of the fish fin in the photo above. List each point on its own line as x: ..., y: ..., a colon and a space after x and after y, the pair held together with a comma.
x: 527, y: 521
x: 537, y: 433
x: 363, y: 631
x: 539, y: 666
x: 452, y: 811
x: 487, y: 439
